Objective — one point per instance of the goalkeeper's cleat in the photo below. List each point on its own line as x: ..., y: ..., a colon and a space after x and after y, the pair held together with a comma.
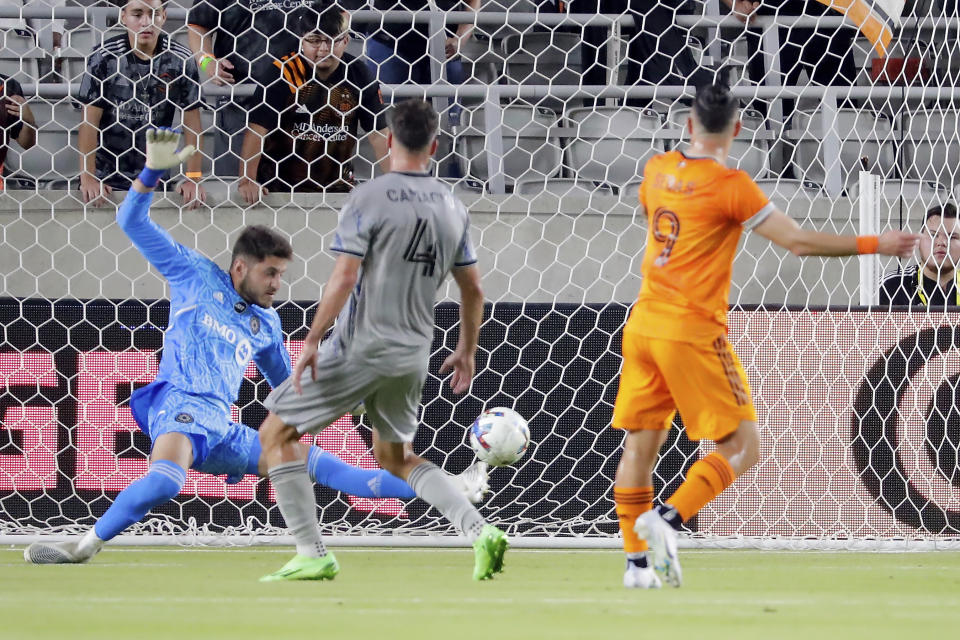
x: 662, y: 540
x: 473, y: 481
x: 56, y: 553
x: 488, y: 552
x: 306, y: 568
x: 640, y: 577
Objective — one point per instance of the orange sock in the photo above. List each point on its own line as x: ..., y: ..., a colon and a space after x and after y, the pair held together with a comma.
x: 706, y: 480
x: 631, y: 503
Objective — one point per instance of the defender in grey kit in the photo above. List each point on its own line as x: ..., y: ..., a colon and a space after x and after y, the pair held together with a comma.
x: 397, y: 239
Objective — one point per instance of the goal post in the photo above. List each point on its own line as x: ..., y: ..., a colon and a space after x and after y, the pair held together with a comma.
x: 869, y: 226
x: 857, y: 404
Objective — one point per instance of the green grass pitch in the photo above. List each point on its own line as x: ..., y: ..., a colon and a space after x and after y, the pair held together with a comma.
x: 397, y: 594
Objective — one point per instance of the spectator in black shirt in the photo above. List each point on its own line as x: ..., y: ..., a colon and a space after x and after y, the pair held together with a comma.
x: 136, y: 81
x: 824, y: 53
x: 303, y: 134
x: 657, y: 49
x: 398, y: 51
x: 229, y: 38
x: 16, y: 119
x: 932, y: 283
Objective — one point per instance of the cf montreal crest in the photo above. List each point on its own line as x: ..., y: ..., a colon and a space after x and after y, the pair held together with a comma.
x: 240, y: 307
x: 255, y: 325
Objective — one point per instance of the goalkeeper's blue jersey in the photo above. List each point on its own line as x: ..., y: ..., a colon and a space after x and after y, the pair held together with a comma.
x: 213, y: 333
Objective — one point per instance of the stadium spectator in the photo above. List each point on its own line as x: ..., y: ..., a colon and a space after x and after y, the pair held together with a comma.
x: 398, y: 52
x: 230, y: 37
x: 135, y: 81
x: 303, y: 134
x: 932, y: 282
x: 16, y: 119
x: 657, y: 51
x: 825, y: 54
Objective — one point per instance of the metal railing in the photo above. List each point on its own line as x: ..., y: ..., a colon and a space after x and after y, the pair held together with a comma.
x: 492, y: 95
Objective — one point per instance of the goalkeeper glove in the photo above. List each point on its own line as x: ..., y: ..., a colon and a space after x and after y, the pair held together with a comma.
x: 162, y: 154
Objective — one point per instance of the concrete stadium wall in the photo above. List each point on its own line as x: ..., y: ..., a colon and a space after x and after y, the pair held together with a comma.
x: 532, y: 248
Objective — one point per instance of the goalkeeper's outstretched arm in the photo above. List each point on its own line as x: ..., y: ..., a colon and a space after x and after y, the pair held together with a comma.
x: 156, y: 245
x: 781, y: 230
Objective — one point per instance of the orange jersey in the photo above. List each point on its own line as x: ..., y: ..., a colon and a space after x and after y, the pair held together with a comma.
x: 696, y: 211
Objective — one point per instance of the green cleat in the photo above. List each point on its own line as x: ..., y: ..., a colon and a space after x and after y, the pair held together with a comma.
x: 488, y: 552
x: 304, y: 568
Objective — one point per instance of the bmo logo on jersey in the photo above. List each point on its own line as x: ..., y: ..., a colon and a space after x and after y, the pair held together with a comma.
x: 243, y: 352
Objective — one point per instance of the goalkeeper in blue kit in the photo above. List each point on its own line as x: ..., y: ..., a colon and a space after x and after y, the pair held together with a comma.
x: 219, y: 322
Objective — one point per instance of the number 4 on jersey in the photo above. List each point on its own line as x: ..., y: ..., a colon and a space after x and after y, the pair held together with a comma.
x: 420, y: 249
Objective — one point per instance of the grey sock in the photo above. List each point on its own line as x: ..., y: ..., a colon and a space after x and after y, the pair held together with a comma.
x: 298, y: 506
x: 434, y: 486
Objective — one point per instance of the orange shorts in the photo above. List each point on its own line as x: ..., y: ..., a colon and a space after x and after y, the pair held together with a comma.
x: 706, y: 382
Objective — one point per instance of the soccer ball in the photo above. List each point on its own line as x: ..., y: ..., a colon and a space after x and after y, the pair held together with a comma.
x: 499, y: 436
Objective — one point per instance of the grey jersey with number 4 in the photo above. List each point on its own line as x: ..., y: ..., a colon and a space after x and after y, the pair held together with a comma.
x: 410, y: 231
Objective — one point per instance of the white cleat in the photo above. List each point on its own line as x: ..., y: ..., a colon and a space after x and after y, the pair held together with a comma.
x: 640, y: 577
x: 55, y: 553
x: 473, y: 482
x: 662, y: 540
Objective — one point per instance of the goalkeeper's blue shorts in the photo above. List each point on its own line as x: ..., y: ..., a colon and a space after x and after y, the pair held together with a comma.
x: 220, y: 446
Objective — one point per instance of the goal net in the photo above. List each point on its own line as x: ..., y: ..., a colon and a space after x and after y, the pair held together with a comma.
x: 548, y: 114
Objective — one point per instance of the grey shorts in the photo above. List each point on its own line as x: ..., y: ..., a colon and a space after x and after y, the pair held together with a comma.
x: 392, y: 402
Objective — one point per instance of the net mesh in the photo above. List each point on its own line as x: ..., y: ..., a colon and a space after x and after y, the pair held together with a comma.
x: 548, y: 114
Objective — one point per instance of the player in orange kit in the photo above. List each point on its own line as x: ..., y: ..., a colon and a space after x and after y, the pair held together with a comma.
x: 675, y: 351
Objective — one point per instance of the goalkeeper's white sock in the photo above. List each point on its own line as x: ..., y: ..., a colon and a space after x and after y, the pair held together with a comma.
x: 298, y: 506
x: 436, y: 487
